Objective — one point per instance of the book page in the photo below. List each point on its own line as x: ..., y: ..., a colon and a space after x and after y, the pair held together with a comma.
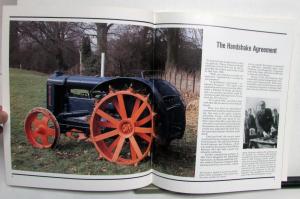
x: 241, y: 103
x: 62, y: 70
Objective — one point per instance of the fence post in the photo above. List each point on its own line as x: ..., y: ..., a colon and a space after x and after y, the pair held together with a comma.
x: 102, y: 67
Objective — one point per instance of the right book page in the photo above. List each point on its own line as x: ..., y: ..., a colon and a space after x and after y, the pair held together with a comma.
x: 232, y: 74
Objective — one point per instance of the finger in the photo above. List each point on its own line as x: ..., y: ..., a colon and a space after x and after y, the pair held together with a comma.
x: 3, y: 117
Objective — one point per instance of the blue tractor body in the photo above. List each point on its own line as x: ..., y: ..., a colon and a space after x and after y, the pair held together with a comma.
x: 72, y: 98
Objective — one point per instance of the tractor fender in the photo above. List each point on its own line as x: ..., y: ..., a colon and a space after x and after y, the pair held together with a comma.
x: 166, y: 100
x: 137, y: 84
x: 172, y: 118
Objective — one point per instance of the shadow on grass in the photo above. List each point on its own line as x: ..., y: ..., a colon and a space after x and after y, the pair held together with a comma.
x: 177, y: 159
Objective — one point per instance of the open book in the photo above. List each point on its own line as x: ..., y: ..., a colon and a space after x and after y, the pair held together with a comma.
x: 106, y: 99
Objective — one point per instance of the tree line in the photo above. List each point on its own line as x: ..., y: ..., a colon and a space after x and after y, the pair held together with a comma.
x: 48, y: 46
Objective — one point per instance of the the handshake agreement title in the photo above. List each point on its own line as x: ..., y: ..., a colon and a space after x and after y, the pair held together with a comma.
x: 245, y: 47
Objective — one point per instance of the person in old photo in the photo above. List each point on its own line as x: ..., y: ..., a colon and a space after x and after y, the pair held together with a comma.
x: 276, y: 118
x: 264, y: 120
x: 250, y: 126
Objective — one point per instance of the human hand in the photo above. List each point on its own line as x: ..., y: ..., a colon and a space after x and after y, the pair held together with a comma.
x: 252, y: 131
x: 273, y: 129
x: 265, y: 134
x: 3, y: 118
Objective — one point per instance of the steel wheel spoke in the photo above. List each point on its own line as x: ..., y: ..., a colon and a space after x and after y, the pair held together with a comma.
x: 36, y: 123
x: 106, y: 116
x: 44, y: 140
x: 135, y: 146
x: 105, y: 135
x: 35, y: 134
x: 45, y: 120
x: 143, y: 129
x: 107, y: 125
x: 145, y: 137
x: 116, y: 105
x: 144, y: 120
x: 136, y: 106
x: 113, y: 144
x: 141, y: 109
x: 118, y: 149
x: 51, y: 132
x: 122, y: 108
x: 133, y: 153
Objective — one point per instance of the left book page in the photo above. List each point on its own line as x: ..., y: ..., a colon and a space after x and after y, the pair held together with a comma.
x: 49, y: 141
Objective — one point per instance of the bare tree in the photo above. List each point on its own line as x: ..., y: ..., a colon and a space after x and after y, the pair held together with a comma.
x: 14, y: 44
x: 131, y: 49
x: 178, y: 49
x: 102, y: 33
x: 54, y: 38
x: 173, y: 38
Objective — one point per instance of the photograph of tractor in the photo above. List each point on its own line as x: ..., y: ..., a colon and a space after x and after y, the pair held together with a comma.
x: 121, y: 116
x: 97, y: 97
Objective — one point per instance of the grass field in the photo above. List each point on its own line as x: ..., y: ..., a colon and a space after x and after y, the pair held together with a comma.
x: 72, y: 157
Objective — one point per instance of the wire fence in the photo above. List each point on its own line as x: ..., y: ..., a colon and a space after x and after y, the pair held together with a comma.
x: 188, y: 82
x: 184, y: 81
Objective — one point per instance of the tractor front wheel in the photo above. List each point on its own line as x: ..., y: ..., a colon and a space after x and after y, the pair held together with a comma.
x: 122, y: 127
x: 41, y: 128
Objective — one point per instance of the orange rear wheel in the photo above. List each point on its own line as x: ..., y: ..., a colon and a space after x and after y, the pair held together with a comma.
x: 123, y: 134
x: 41, y: 128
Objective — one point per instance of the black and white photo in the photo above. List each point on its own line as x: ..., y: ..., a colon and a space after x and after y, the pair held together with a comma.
x: 261, y: 123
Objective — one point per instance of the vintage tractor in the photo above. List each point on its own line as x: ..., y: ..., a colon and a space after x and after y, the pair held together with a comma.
x: 121, y: 116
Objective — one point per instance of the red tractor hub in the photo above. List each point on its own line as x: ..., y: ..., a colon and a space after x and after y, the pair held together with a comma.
x: 126, y: 128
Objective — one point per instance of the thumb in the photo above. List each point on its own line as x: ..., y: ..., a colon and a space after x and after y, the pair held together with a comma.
x: 3, y: 116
